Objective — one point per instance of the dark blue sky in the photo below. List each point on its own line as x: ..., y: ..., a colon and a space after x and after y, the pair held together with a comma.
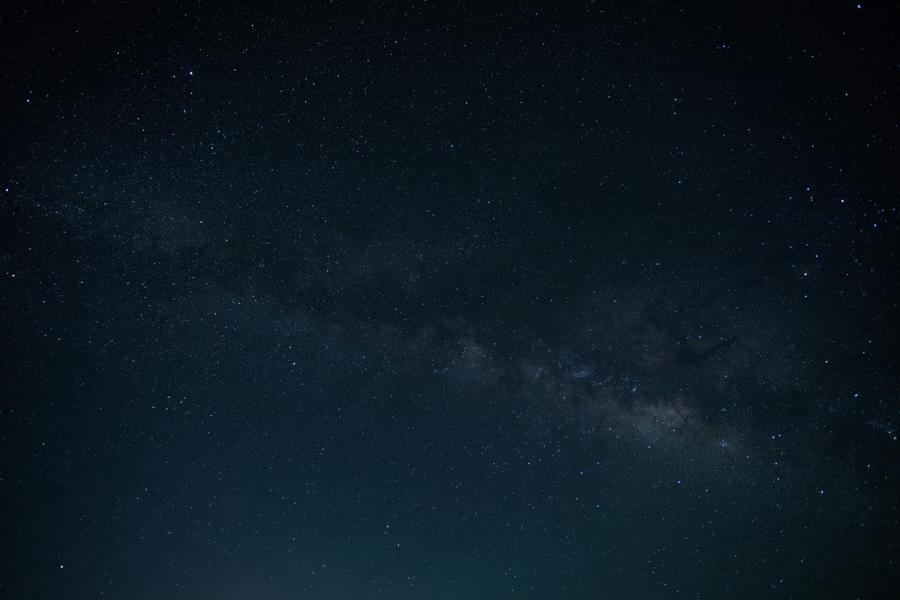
x: 420, y: 301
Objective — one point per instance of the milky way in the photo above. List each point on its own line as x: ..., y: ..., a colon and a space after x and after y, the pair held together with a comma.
x: 417, y: 301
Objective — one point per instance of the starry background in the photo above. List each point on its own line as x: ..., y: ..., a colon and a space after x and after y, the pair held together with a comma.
x: 433, y: 301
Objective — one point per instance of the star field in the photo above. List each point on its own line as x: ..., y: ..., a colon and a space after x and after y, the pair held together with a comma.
x: 432, y: 301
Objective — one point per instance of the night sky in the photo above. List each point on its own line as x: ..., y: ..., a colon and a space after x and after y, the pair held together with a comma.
x: 449, y: 301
